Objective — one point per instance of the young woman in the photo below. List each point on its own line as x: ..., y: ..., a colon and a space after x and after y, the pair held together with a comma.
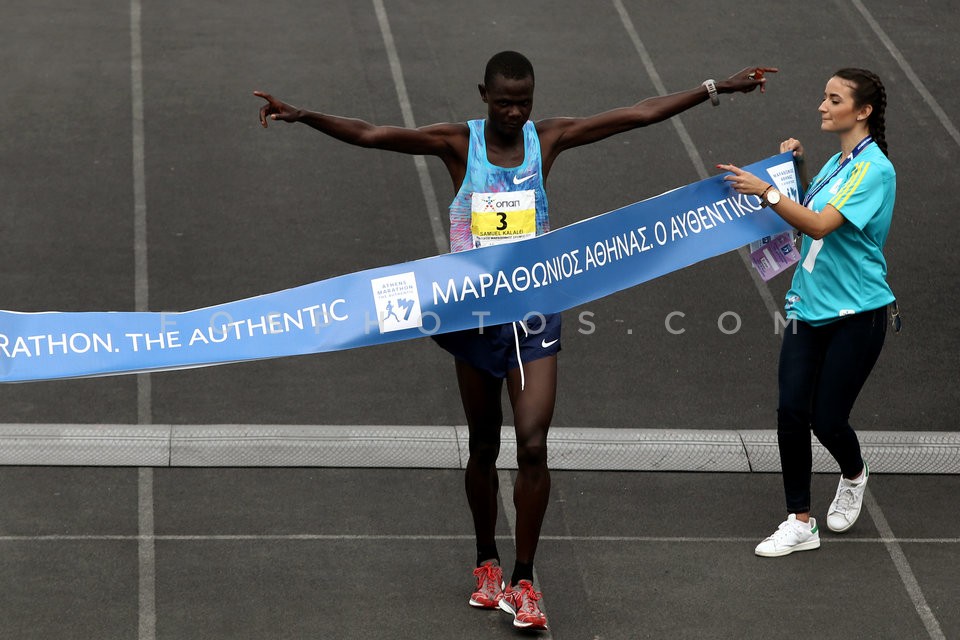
x: 837, y: 302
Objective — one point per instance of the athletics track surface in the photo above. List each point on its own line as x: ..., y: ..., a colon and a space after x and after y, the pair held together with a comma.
x: 136, y: 177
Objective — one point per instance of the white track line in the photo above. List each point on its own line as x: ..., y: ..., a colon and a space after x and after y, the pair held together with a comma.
x: 695, y: 158
x: 140, y: 280
x: 903, y: 567
x: 147, y: 607
x: 909, y: 72
x: 336, y: 537
x: 426, y: 183
x: 909, y: 580
x: 147, y: 558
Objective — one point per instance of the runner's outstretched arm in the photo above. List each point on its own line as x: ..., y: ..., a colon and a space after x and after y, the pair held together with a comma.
x: 435, y: 140
x: 559, y: 134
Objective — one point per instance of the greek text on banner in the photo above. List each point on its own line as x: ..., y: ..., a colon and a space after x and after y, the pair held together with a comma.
x: 501, y: 283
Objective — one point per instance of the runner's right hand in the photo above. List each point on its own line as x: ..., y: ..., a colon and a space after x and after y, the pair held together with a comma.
x: 275, y: 109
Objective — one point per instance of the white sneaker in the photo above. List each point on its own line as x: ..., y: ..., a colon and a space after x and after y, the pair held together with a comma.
x: 845, y: 508
x: 792, y: 535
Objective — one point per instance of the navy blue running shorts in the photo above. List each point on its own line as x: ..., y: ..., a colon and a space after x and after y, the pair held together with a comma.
x: 494, y: 348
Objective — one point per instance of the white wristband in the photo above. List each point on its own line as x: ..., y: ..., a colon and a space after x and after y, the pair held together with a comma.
x: 712, y: 90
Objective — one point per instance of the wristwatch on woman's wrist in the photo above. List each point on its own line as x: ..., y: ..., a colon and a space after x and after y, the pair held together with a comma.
x: 770, y: 196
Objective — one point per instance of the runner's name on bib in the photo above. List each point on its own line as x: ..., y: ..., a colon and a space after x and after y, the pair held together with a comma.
x: 499, y: 218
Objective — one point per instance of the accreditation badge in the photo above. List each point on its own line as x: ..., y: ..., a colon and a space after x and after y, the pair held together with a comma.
x: 772, y: 256
x: 507, y: 216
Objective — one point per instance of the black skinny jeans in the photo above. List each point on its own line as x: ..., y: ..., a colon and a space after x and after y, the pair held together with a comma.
x: 822, y: 370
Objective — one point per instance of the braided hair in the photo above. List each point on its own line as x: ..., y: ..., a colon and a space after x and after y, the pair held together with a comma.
x: 867, y: 89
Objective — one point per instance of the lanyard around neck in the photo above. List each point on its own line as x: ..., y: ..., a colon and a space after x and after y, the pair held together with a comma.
x: 853, y: 154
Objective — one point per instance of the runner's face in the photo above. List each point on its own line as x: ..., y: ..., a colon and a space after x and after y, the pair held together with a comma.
x: 838, y: 112
x: 509, y: 103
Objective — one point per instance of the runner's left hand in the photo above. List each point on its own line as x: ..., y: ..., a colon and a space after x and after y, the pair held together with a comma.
x: 746, y: 80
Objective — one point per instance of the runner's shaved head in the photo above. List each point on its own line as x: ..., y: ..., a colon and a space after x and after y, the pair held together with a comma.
x: 508, y: 64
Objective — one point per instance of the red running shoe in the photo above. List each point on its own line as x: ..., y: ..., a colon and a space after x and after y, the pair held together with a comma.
x: 489, y: 585
x: 522, y: 603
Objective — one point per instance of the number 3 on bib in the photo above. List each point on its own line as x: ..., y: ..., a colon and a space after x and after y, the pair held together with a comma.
x: 507, y: 216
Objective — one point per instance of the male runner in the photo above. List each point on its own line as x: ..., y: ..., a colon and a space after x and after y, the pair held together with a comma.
x: 506, y: 152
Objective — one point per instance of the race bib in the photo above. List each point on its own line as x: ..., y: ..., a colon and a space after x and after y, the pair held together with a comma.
x: 498, y: 218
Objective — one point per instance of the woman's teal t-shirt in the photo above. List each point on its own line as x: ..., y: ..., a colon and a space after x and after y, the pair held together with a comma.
x: 845, y: 272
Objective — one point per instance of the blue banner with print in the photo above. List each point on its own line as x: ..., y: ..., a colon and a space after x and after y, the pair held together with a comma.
x: 492, y: 285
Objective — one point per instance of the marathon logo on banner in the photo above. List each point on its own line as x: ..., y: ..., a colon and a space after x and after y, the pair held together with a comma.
x: 491, y: 285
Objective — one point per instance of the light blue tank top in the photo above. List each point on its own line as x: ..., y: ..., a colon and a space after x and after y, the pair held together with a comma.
x: 486, y: 180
